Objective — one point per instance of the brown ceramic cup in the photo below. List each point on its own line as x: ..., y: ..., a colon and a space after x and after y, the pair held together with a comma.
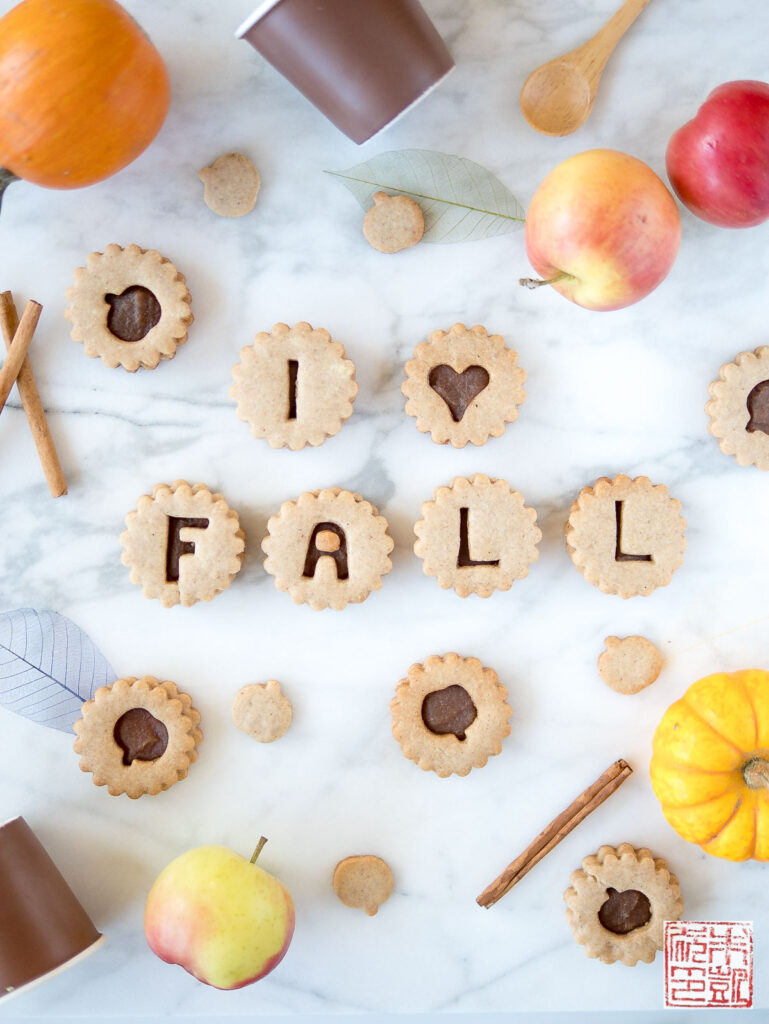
x: 361, y: 62
x: 43, y: 928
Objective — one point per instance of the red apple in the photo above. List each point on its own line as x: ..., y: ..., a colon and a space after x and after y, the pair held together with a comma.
x: 602, y: 229
x: 718, y: 163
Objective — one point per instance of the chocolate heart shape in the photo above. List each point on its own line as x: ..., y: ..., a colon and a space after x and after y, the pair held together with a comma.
x: 458, y: 390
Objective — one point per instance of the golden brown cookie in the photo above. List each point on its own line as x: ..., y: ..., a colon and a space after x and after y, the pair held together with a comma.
x: 232, y: 184
x: 626, y: 536
x: 393, y: 223
x: 477, y: 536
x: 328, y: 548
x: 450, y: 714
x: 182, y: 543
x: 138, y: 736
x: 618, y: 903
x: 262, y: 710
x: 364, y: 882
x: 294, y: 386
x: 463, y: 385
x: 629, y: 664
x: 129, y: 307
x: 739, y: 408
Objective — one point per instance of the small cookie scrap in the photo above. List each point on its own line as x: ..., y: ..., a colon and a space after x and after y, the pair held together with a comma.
x: 618, y: 903
x: 450, y: 714
x: 138, y: 736
x: 182, y: 544
x: 294, y: 386
x: 328, y: 548
x: 129, y: 307
x: 232, y: 184
x: 463, y: 385
x: 739, y: 408
x: 364, y: 882
x: 477, y: 536
x: 262, y: 710
x: 626, y: 536
x: 393, y: 223
x: 629, y: 664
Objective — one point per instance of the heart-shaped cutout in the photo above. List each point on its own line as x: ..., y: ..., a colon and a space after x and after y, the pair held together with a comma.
x: 458, y: 390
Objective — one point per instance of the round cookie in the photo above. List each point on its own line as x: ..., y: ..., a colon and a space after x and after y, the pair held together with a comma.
x: 629, y: 664
x: 463, y: 385
x: 477, y: 536
x: 328, y: 548
x: 618, y: 902
x: 294, y: 386
x: 363, y: 882
x: 182, y: 544
x: 393, y: 223
x: 129, y: 307
x: 626, y: 536
x: 137, y: 736
x: 450, y: 714
x: 739, y: 408
x: 231, y: 185
x: 262, y: 710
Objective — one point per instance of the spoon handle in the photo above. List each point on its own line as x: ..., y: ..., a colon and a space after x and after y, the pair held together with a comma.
x: 599, y: 48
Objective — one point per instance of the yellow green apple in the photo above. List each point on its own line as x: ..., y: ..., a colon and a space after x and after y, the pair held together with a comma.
x: 602, y: 229
x: 220, y: 916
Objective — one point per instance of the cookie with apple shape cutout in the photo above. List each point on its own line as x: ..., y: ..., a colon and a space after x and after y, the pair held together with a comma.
x: 129, y: 307
x: 739, y: 408
x: 463, y: 385
x: 138, y: 736
x: 450, y: 714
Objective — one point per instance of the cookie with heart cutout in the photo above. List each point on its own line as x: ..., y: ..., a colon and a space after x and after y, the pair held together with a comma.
x: 463, y: 385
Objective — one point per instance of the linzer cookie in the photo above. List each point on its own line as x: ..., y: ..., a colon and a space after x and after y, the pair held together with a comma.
x: 262, y: 710
x: 129, y: 307
x: 463, y: 385
x: 294, y: 386
x: 626, y: 536
x: 618, y: 902
x: 138, y: 736
x: 231, y: 185
x: 364, y: 882
x: 629, y: 664
x: 739, y: 408
x: 477, y: 536
x: 182, y: 544
x: 450, y: 714
x: 328, y: 548
x: 393, y: 223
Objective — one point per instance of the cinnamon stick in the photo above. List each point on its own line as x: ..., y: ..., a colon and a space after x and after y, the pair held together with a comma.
x: 33, y: 406
x: 557, y: 830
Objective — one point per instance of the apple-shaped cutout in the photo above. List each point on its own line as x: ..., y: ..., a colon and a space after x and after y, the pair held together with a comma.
x: 602, y: 229
x: 718, y: 163
x: 219, y: 916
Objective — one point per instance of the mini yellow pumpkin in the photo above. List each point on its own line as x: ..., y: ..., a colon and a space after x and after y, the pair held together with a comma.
x: 710, y: 764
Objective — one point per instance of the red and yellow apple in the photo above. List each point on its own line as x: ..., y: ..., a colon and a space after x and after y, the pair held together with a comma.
x: 602, y: 229
x: 221, y: 917
x: 718, y: 163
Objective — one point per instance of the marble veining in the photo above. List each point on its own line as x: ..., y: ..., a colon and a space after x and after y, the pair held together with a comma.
x: 606, y: 393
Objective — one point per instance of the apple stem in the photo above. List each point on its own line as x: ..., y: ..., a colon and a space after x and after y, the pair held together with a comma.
x: 6, y: 178
x: 258, y: 850
x: 537, y: 282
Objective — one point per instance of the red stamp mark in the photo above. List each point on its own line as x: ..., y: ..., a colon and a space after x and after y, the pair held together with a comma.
x: 708, y: 963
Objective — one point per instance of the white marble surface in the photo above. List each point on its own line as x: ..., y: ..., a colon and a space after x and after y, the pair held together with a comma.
x: 606, y: 393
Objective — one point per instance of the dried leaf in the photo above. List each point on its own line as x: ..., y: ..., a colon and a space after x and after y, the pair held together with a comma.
x: 461, y: 201
x: 48, y: 667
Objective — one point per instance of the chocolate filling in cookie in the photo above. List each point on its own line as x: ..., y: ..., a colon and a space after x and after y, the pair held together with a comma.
x: 458, y: 390
x: 625, y: 911
x: 140, y: 736
x: 327, y: 540
x: 450, y: 710
x: 133, y: 313
x: 758, y: 408
x: 176, y: 547
x: 619, y: 554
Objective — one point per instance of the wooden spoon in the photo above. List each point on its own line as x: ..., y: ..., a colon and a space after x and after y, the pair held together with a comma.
x: 557, y: 97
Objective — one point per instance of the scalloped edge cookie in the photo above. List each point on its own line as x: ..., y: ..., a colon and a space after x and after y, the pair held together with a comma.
x: 730, y: 417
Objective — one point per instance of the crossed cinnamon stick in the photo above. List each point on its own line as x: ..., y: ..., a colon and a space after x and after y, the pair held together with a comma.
x: 18, y: 335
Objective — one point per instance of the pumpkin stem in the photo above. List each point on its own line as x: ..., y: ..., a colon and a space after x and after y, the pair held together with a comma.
x: 6, y: 178
x: 756, y: 773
